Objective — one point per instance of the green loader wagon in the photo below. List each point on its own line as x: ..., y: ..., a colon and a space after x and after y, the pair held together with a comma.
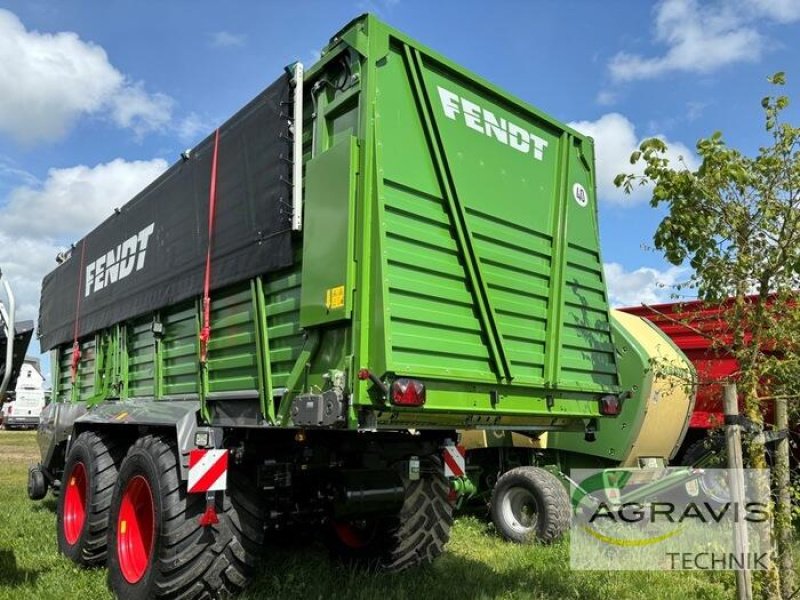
x: 290, y: 325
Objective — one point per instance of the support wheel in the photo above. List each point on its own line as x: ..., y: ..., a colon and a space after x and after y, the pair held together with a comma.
x: 157, y: 547
x: 709, y: 452
x: 530, y: 504
x: 83, y: 508
x: 37, y: 484
x: 413, y: 537
x: 710, y: 455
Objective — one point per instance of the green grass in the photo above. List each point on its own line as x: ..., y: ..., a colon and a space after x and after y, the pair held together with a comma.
x: 30, y: 566
x: 477, y: 564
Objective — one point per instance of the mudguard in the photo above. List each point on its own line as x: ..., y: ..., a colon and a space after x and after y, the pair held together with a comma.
x: 61, y: 422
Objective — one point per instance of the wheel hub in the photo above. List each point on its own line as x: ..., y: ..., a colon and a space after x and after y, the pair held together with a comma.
x: 519, y: 510
x: 75, y: 504
x: 135, y: 529
x: 355, y: 534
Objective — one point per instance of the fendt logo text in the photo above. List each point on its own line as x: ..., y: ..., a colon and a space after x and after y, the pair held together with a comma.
x: 118, y: 262
x: 486, y: 122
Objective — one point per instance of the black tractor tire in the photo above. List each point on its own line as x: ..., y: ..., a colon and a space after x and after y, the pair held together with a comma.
x: 84, y: 505
x: 530, y: 504
x: 710, y: 449
x: 711, y: 454
x: 37, y: 483
x: 415, y: 536
x: 184, y: 559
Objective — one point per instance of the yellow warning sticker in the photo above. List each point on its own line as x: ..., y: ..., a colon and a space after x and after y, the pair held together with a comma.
x: 334, y: 297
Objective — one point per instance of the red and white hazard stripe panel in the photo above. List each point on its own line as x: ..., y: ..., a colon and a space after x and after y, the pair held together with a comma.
x: 454, y: 464
x: 208, y: 470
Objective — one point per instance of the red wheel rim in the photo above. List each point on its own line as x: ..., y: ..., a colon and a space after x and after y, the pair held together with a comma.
x: 135, y: 527
x: 352, y: 535
x: 75, y: 504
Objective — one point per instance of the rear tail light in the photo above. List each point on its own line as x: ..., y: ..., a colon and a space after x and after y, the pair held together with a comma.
x: 408, y: 392
x: 610, y: 405
x: 9, y: 409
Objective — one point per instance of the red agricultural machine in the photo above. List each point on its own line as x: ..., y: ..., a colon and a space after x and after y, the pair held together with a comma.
x: 693, y: 326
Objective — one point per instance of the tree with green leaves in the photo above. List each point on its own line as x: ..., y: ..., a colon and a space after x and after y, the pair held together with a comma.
x: 736, y: 221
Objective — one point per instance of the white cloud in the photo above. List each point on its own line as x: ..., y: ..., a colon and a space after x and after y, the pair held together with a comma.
x: 73, y: 200
x: 11, y: 172
x: 226, y: 39
x: 134, y: 108
x: 694, y: 110
x: 192, y: 128
x: 615, y: 139
x: 606, y: 98
x: 49, y: 80
x: 782, y: 11
x: 642, y: 286
x: 36, y: 221
x: 703, y: 37
x: 25, y: 261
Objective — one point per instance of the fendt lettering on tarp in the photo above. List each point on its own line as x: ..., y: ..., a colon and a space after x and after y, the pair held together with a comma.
x: 119, y: 262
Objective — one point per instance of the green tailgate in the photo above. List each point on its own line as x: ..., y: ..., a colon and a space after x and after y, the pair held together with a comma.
x: 488, y: 234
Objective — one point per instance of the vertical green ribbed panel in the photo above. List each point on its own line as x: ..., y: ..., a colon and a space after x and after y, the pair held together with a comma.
x: 180, y: 358
x: 282, y: 300
x: 86, y: 369
x: 232, y: 354
x: 433, y: 321
x: 516, y: 262
x: 141, y: 358
x: 65, y: 373
x: 587, y: 355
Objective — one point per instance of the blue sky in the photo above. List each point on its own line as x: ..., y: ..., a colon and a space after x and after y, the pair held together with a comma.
x: 98, y: 98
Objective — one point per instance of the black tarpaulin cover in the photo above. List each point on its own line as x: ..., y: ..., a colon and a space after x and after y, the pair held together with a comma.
x: 152, y: 253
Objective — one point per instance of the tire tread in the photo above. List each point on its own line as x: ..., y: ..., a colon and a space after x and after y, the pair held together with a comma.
x: 193, y: 561
x: 104, y: 457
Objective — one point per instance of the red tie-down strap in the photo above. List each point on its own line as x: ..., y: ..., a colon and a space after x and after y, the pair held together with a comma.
x: 76, y: 347
x: 205, y: 329
x: 76, y: 358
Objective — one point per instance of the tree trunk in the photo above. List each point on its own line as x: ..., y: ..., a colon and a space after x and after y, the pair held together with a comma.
x: 733, y: 439
x: 770, y: 580
x: 783, y: 508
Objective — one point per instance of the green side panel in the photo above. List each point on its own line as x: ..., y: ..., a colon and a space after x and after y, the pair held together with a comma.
x: 328, y: 235
x: 86, y: 370
x: 180, y: 350
x: 64, y: 383
x: 282, y: 301
x: 141, y: 358
x: 232, y: 358
x: 105, y: 361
